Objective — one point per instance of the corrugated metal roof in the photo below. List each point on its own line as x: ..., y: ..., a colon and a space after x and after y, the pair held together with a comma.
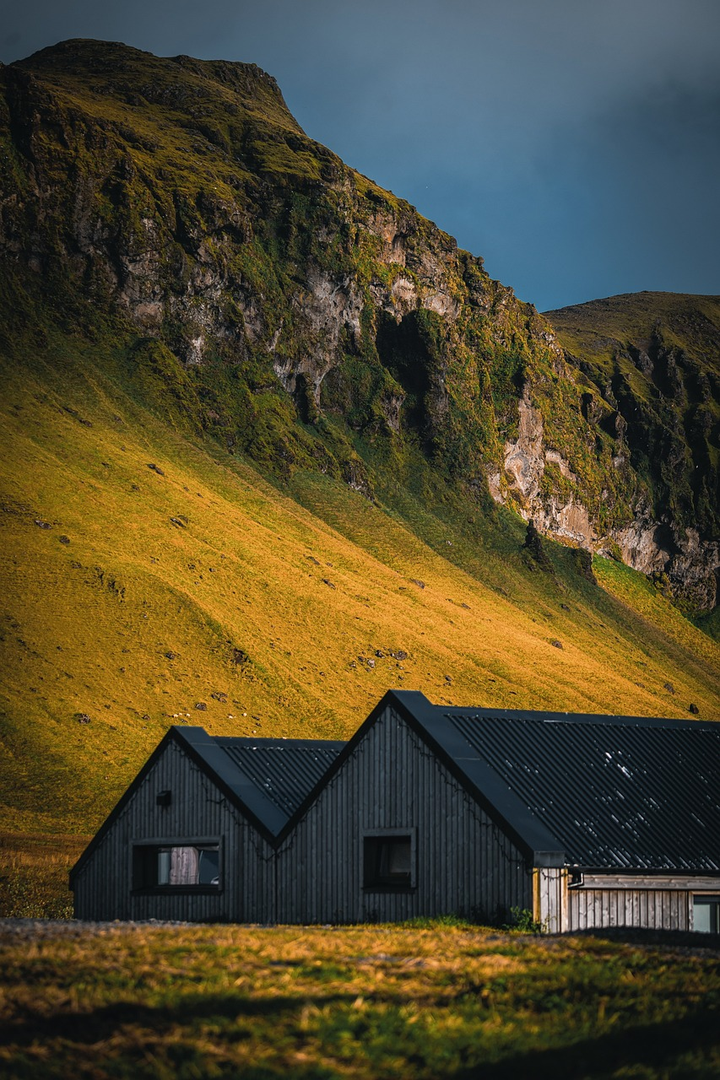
x: 618, y: 792
x: 285, y: 770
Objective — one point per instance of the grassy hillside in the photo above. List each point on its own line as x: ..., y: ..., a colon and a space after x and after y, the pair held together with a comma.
x: 598, y: 327
x: 371, y: 1002
x: 149, y: 578
x: 252, y: 407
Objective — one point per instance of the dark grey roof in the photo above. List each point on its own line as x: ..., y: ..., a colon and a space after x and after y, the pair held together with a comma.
x: 616, y: 792
x: 269, y: 778
x: 597, y: 792
x: 285, y: 770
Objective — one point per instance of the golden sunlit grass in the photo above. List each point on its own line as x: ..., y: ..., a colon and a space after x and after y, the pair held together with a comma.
x: 148, y: 579
x: 188, y: 1002
x: 34, y: 874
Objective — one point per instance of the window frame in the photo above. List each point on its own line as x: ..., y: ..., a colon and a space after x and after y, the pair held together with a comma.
x: 370, y: 884
x: 138, y: 852
x: 709, y: 899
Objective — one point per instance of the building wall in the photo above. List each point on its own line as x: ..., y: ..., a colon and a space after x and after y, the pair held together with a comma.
x: 463, y: 862
x: 654, y: 909
x: 652, y: 902
x: 550, y: 894
x: 198, y: 810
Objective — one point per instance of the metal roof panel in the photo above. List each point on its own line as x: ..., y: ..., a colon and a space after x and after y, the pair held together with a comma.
x: 620, y: 792
x: 284, y: 770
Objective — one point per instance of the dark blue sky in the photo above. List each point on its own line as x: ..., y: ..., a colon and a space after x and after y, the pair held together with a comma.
x: 574, y: 144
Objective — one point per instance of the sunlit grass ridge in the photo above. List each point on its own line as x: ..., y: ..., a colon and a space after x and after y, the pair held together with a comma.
x: 150, y: 578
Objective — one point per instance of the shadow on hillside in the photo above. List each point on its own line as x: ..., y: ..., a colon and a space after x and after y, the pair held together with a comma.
x: 101, y: 1023
x: 649, y: 1045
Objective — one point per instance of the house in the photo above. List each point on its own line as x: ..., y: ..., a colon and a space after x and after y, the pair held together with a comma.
x: 193, y: 838
x: 587, y: 821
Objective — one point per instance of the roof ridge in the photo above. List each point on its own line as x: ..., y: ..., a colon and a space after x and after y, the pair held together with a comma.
x: 558, y: 717
x: 278, y: 740
x: 486, y: 785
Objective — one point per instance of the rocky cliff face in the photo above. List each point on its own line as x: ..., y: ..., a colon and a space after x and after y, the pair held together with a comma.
x: 296, y: 311
x: 654, y: 360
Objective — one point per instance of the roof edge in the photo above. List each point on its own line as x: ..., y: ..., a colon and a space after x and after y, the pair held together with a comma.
x: 480, y: 780
x: 561, y: 717
x: 218, y: 767
x: 338, y: 763
x: 191, y: 740
x: 120, y: 805
x: 526, y: 830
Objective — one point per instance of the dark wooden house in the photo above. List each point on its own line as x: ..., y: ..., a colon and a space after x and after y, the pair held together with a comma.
x: 586, y: 821
x: 194, y: 836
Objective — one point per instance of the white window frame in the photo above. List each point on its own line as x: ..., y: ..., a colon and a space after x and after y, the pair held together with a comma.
x: 711, y: 899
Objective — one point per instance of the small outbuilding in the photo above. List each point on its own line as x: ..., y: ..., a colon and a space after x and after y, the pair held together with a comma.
x: 585, y: 821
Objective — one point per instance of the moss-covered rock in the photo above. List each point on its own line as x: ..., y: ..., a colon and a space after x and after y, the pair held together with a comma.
x: 278, y: 300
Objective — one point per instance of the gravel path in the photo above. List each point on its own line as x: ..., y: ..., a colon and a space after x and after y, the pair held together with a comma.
x: 37, y: 929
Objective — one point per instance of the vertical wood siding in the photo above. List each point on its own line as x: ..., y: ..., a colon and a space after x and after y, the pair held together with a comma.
x: 464, y: 862
x: 103, y: 889
x: 550, y: 898
x: 654, y: 909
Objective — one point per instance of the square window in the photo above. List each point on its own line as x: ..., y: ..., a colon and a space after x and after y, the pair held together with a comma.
x: 388, y: 862
x: 173, y: 866
x: 706, y: 914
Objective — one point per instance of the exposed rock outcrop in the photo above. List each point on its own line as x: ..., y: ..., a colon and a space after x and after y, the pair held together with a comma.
x: 286, y: 304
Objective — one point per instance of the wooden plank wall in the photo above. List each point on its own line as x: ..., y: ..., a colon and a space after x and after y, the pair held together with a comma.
x: 655, y: 909
x: 103, y: 890
x: 550, y: 898
x: 464, y: 863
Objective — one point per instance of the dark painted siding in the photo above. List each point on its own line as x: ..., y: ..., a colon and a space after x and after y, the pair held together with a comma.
x: 464, y: 863
x: 103, y: 889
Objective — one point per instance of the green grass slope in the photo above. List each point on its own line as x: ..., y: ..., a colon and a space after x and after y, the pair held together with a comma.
x: 150, y: 578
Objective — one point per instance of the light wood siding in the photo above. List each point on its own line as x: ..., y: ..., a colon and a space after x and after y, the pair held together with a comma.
x: 463, y: 862
x: 550, y: 898
x: 654, y: 909
x: 103, y: 889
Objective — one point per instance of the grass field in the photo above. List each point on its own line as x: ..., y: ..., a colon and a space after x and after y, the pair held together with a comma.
x: 182, y: 1003
x: 150, y: 578
x: 34, y: 874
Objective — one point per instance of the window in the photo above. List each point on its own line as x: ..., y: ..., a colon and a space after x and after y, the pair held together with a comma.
x: 706, y: 914
x: 388, y: 861
x: 189, y: 865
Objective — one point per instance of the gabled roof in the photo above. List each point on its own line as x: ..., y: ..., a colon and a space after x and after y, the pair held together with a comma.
x: 616, y: 793
x: 266, y: 779
x: 283, y: 770
x: 613, y: 792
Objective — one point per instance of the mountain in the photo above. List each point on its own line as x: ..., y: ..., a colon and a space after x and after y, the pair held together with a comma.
x: 652, y: 361
x: 270, y: 438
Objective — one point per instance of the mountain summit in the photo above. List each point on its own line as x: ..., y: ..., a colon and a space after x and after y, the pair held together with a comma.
x: 181, y: 196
